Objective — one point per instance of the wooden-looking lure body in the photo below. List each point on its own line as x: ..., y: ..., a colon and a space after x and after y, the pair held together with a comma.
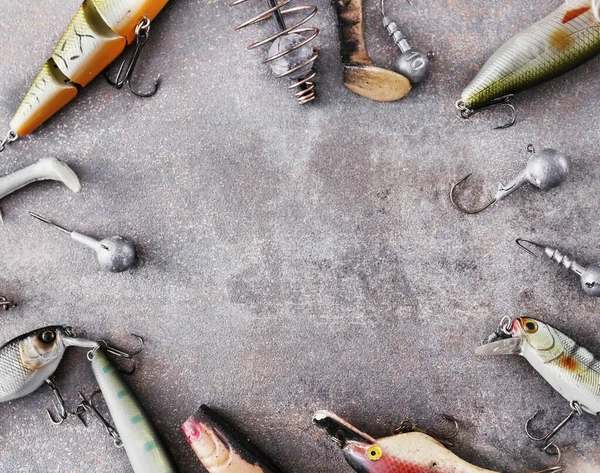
x: 96, y: 36
x: 144, y: 447
x: 412, y: 452
x: 220, y: 449
x: 563, y: 40
x: 569, y: 368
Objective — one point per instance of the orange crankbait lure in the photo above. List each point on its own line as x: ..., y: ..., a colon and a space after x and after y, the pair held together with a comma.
x: 97, y: 35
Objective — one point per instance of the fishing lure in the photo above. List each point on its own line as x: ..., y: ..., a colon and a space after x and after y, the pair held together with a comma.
x: 414, y: 452
x: 220, y: 448
x: 558, y: 43
x: 97, y: 35
x: 143, y: 445
x: 569, y: 368
x: 28, y: 361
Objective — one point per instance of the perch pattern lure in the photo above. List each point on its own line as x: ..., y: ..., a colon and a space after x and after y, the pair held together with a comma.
x: 96, y: 36
x: 558, y: 43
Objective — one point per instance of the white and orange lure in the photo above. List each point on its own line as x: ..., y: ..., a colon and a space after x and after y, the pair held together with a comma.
x: 96, y: 36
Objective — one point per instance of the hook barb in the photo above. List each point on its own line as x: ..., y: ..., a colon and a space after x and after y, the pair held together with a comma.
x: 459, y: 207
x: 125, y: 72
x: 548, y: 439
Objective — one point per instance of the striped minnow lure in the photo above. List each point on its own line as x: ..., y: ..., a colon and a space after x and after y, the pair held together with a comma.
x: 569, y: 368
x: 563, y: 40
x: 27, y: 361
x: 401, y: 453
x: 97, y: 35
x: 220, y: 449
x: 144, y: 447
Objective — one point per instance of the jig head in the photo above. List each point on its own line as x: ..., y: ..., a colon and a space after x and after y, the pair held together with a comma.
x: 46, y: 169
x: 115, y: 254
x: 590, y: 275
x: 414, y: 65
x: 545, y: 170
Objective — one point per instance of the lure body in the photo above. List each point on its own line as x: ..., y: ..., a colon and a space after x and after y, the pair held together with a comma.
x: 27, y: 361
x: 219, y: 449
x: 96, y: 36
x: 412, y: 452
x: 563, y: 40
x: 569, y: 368
x: 144, y: 447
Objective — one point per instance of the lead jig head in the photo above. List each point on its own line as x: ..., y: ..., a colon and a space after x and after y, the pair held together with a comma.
x: 115, y: 253
x: 545, y: 170
x: 590, y: 275
x: 414, y: 65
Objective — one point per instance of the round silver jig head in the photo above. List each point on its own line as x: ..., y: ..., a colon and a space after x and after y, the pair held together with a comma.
x: 590, y: 275
x: 545, y: 170
x: 115, y: 253
x: 414, y: 65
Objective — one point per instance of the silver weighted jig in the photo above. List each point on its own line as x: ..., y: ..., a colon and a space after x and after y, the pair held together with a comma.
x: 545, y: 170
x: 590, y: 275
x: 414, y: 65
x: 115, y: 254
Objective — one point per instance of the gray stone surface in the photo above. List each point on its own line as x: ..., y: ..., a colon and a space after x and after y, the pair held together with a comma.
x: 298, y: 258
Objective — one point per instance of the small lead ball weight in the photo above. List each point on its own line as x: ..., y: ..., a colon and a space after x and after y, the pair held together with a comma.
x: 545, y: 170
x: 115, y: 253
x: 590, y: 275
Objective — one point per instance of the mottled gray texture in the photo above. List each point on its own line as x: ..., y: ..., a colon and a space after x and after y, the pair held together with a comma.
x: 298, y: 258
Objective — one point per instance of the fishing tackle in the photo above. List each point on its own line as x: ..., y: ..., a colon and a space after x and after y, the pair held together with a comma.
x: 568, y: 367
x: 590, y: 275
x: 45, y: 169
x: 545, y: 170
x: 87, y: 407
x: 141, y: 441
x: 290, y: 54
x: 221, y: 448
x: 400, y: 453
x: 558, y: 43
x: 115, y: 253
x: 6, y: 304
x: 361, y: 75
x: 413, y: 65
x: 96, y: 36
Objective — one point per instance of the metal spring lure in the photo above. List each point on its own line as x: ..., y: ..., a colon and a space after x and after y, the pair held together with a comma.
x: 558, y: 43
x: 97, y: 35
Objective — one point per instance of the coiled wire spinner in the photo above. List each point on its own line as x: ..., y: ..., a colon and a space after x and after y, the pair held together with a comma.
x: 290, y: 54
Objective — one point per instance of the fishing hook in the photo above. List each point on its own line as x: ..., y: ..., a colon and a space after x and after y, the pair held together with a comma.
x: 555, y: 467
x: 457, y: 206
x: 6, y: 304
x: 119, y: 353
x: 59, y: 405
x: 87, y: 407
x: 142, y: 33
x: 548, y: 439
x: 466, y: 112
x: 408, y: 425
x: 10, y: 137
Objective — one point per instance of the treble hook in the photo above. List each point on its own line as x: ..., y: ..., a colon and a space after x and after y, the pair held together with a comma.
x: 119, y: 353
x: 6, y: 304
x: 87, y: 407
x: 555, y: 467
x: 408, y: 425
x: 142, y: 33
x: 59, y: 405
x: 545, y: 170
x: 548, y: 439
x: 466, y: 112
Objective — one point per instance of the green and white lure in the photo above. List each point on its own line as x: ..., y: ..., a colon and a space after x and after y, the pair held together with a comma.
x: 558, y: 43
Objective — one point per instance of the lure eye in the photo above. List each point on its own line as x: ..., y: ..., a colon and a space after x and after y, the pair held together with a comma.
x: 531, y: 326
x: 374, y: 453
x: 47, y: 336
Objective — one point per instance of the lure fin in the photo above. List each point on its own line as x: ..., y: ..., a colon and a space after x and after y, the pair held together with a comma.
x: 509, y: 346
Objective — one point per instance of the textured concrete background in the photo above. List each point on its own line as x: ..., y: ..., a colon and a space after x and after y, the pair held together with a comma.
x: 298, y: 258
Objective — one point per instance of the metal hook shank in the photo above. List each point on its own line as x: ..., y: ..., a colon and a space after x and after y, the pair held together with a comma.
x: 466, y: 112
x: 548, y: 439
x: 59, y: 405
x: 457, y: 206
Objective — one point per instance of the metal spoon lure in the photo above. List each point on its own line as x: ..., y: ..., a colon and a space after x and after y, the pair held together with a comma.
x: 545, y: 170
x: 590, y: 275
x: 115, y: 253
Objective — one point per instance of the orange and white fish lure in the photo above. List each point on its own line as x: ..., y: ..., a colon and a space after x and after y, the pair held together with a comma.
x: 97, y: 35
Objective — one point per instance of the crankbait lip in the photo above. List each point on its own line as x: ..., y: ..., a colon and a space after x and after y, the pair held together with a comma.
x: 339, y: 430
